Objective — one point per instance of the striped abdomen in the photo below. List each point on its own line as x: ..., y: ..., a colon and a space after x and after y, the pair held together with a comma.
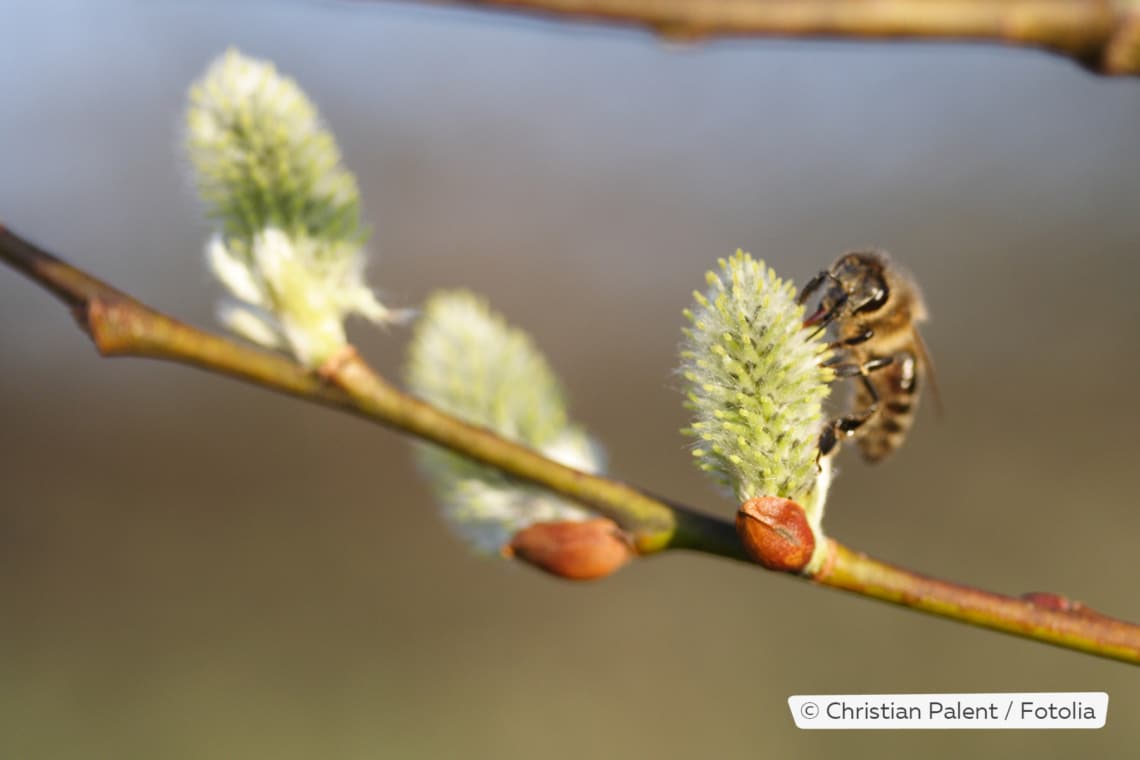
x: 897, y: 386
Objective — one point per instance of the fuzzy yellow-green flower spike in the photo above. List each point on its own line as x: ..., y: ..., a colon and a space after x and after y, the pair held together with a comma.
x: 289, y: 248
x: 755, y: 384
x: 263, y: 158
x: 465, y: 359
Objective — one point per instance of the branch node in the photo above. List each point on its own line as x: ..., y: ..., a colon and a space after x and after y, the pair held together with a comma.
x: 335, y: 364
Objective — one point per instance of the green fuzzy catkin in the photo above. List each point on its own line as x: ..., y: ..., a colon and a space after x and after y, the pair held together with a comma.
x: 263, y: 158
x: 465, y: 359
x: 754, y: 382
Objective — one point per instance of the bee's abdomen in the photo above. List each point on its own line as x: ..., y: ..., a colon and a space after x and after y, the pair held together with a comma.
x: 897, y: 386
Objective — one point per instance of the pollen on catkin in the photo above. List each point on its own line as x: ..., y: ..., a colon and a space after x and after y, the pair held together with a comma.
x: 465, y: 359
x: 755, y: 384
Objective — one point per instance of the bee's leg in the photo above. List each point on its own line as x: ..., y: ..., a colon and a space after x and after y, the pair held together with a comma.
x: 834, y: 430
x: 828, y: 440
x: 863, y: 370
x: 812, y: 286
x: 841, y: 427
x: 862, y: 336
x: 851, y: 422
x: 842, y: 365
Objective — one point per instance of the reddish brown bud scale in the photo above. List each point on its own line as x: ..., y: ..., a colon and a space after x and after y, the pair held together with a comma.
x: 1059, y: 602
x: 1051, y: 601
x: 578, y: 551
x: 776, y: 533
x: 336, y: 363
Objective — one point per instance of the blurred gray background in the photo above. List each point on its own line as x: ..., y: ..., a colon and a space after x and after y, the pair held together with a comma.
x: 193, y: 568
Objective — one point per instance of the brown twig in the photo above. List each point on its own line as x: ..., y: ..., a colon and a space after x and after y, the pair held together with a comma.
x: 1103, y: 35
x: 119, y: 325
x: 1071, y: 625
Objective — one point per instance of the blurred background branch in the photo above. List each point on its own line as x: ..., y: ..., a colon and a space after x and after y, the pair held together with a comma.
x: 1102, y: 35
x: 119, y: 325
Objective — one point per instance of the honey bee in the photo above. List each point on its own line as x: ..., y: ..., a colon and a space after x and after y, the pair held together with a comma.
x: 875, y: 309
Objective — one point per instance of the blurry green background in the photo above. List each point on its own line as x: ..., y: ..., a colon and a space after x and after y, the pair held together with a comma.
x: 192, y: 568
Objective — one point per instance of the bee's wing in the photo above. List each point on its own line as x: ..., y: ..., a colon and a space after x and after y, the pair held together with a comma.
x: 928, y: 365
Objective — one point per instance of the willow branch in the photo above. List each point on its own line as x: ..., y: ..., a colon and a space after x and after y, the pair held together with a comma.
x: 1103, y: 35
x: 120, y: 325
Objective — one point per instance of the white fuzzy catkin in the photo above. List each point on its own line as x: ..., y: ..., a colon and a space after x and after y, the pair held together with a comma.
x: 466, y: 360
x: 289, y: 249
x: 262, y: 156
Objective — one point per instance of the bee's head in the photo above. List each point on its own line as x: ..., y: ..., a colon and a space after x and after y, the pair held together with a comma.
x: 856, y: 284
x: 861, y: 277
